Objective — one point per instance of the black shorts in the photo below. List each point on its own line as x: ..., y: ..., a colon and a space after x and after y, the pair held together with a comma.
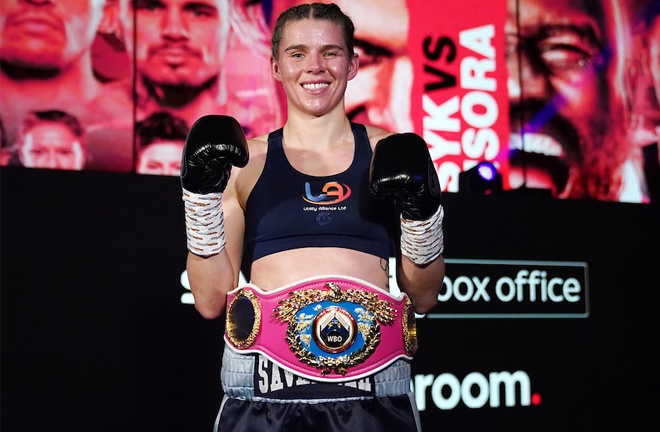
x: 381, y: 414
x: 261, y: 397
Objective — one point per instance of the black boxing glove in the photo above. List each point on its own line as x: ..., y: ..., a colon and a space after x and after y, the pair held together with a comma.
x: 214, y: 144
x: 402, y: 168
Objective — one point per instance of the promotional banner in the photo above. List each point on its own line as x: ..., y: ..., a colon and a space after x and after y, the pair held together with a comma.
x: 560, y: 96
x: 459, y: 98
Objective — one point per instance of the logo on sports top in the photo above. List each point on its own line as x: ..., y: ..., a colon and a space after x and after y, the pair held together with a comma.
x: 331, y: 193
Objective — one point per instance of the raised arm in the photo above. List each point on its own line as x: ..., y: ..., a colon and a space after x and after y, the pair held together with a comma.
x: 402, y: 169
x: 214, y: 144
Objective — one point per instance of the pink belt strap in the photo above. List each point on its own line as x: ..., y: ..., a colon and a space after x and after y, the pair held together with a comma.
x: 333, y: 328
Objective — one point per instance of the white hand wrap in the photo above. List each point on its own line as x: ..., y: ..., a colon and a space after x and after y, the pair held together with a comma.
x: 423, y: 241
x: 205, y: 223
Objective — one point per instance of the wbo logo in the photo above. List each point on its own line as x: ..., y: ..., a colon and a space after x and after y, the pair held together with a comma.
x: 331, y: 193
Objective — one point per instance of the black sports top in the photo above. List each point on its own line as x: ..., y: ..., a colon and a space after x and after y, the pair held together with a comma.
x: 289, y: 210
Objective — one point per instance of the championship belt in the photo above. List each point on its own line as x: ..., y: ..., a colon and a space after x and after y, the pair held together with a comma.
x: 333, y: 328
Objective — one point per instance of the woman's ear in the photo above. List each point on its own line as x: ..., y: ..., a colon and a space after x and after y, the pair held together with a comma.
x: 353, y: 66
x: 275, y: 69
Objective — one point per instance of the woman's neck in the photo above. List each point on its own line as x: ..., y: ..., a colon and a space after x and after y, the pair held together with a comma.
x: 324, y: 131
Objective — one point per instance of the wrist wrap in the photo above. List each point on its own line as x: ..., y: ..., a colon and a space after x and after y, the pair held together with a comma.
x: 205, y: 223
x: 423, y: 241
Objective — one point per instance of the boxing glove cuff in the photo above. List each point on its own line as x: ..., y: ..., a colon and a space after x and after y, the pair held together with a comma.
x: 423, y: 241
x: 205, y: 223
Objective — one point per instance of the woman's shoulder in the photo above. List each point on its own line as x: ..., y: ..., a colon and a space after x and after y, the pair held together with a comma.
x: 258, y: 143
x: 244, y: 179
x: 376, y: 134
x: 257, y: 150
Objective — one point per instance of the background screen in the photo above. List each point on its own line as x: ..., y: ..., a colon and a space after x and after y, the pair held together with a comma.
x: 559, y: 96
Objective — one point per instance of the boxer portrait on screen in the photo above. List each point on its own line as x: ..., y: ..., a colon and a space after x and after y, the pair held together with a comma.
x: 567, y: 113
x: 642, y: 79
x: 181, y: 49
x: 159, y: 143
x: 53, y: 140
x: 46, y: 64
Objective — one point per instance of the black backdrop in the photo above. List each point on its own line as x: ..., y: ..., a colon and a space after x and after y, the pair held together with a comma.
x: 95, y: 336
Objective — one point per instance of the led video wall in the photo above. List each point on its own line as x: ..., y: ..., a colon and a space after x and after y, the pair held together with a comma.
x: 561, y: 98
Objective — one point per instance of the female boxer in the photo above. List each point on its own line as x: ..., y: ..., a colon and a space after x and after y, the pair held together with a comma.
x: 312, y: 213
